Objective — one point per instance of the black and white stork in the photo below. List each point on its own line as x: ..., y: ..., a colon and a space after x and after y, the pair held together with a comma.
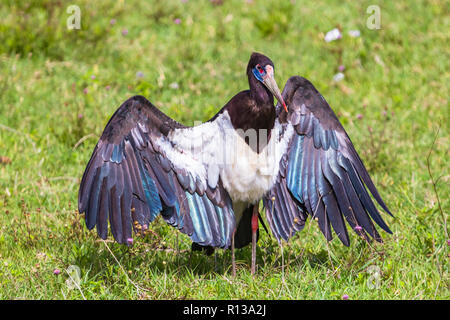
x: 207, y: 181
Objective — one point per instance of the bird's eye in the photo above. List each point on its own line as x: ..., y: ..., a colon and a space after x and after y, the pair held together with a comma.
x: 261, y: 70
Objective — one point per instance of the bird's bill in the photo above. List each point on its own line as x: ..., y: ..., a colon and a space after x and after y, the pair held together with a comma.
x: 271, y: 84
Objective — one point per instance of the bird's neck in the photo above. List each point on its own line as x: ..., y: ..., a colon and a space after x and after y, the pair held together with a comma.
x: 248, y: 114
x: 258, y: 91
x: 252, y: 109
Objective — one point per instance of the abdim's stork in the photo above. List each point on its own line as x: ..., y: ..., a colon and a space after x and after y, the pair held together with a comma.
x: 207, y: 180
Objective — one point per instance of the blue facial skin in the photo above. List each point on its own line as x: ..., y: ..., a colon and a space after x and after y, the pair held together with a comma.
x: 259, y: 75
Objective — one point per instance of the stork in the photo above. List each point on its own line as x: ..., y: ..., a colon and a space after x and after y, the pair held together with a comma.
x: 208, y: 180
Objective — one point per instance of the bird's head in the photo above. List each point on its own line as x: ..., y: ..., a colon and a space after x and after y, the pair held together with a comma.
x: 262, y: 69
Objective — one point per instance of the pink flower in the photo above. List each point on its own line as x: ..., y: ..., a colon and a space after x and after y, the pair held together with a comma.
x: 85, y: 90
x: 359, y: 116
x: 358, y: 228
x: 448, y: 242
x: 130, y: 241
x: 177, y: 21
x: 124, y: 32
x: 345, y: 297
x: 108, y: 87
x: 341, y: 68
x: 112, y: 22
x: 80, y: 116
x: 92, y: 77
x: 56, y: 272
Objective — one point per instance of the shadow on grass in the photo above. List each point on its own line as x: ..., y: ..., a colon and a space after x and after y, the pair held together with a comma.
x: 95, y: 257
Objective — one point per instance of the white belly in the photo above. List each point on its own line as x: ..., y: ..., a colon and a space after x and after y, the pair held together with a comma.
x: 249, y: 175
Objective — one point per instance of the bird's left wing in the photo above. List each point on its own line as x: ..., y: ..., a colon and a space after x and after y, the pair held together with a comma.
x: 144, y: 164
x: 320, y: 173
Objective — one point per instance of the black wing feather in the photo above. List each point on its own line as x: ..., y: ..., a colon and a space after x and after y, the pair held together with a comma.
x: 324, y: 174
x: 129, y: 181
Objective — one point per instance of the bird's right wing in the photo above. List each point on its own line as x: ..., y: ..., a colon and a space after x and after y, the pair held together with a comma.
x: 146, y: 163
x: 321, y: 173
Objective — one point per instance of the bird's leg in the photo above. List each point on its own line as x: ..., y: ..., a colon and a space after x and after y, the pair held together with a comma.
x: 233, y: 260
x: 254, y: 230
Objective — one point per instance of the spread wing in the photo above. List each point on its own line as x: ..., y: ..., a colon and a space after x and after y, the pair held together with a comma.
x: 321, y: 173
x: 139, y: 169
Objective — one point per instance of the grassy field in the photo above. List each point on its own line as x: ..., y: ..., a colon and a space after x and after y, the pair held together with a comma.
x: 58, y: 88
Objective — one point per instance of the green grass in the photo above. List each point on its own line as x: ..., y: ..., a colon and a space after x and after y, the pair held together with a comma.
x: 396, y: 78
